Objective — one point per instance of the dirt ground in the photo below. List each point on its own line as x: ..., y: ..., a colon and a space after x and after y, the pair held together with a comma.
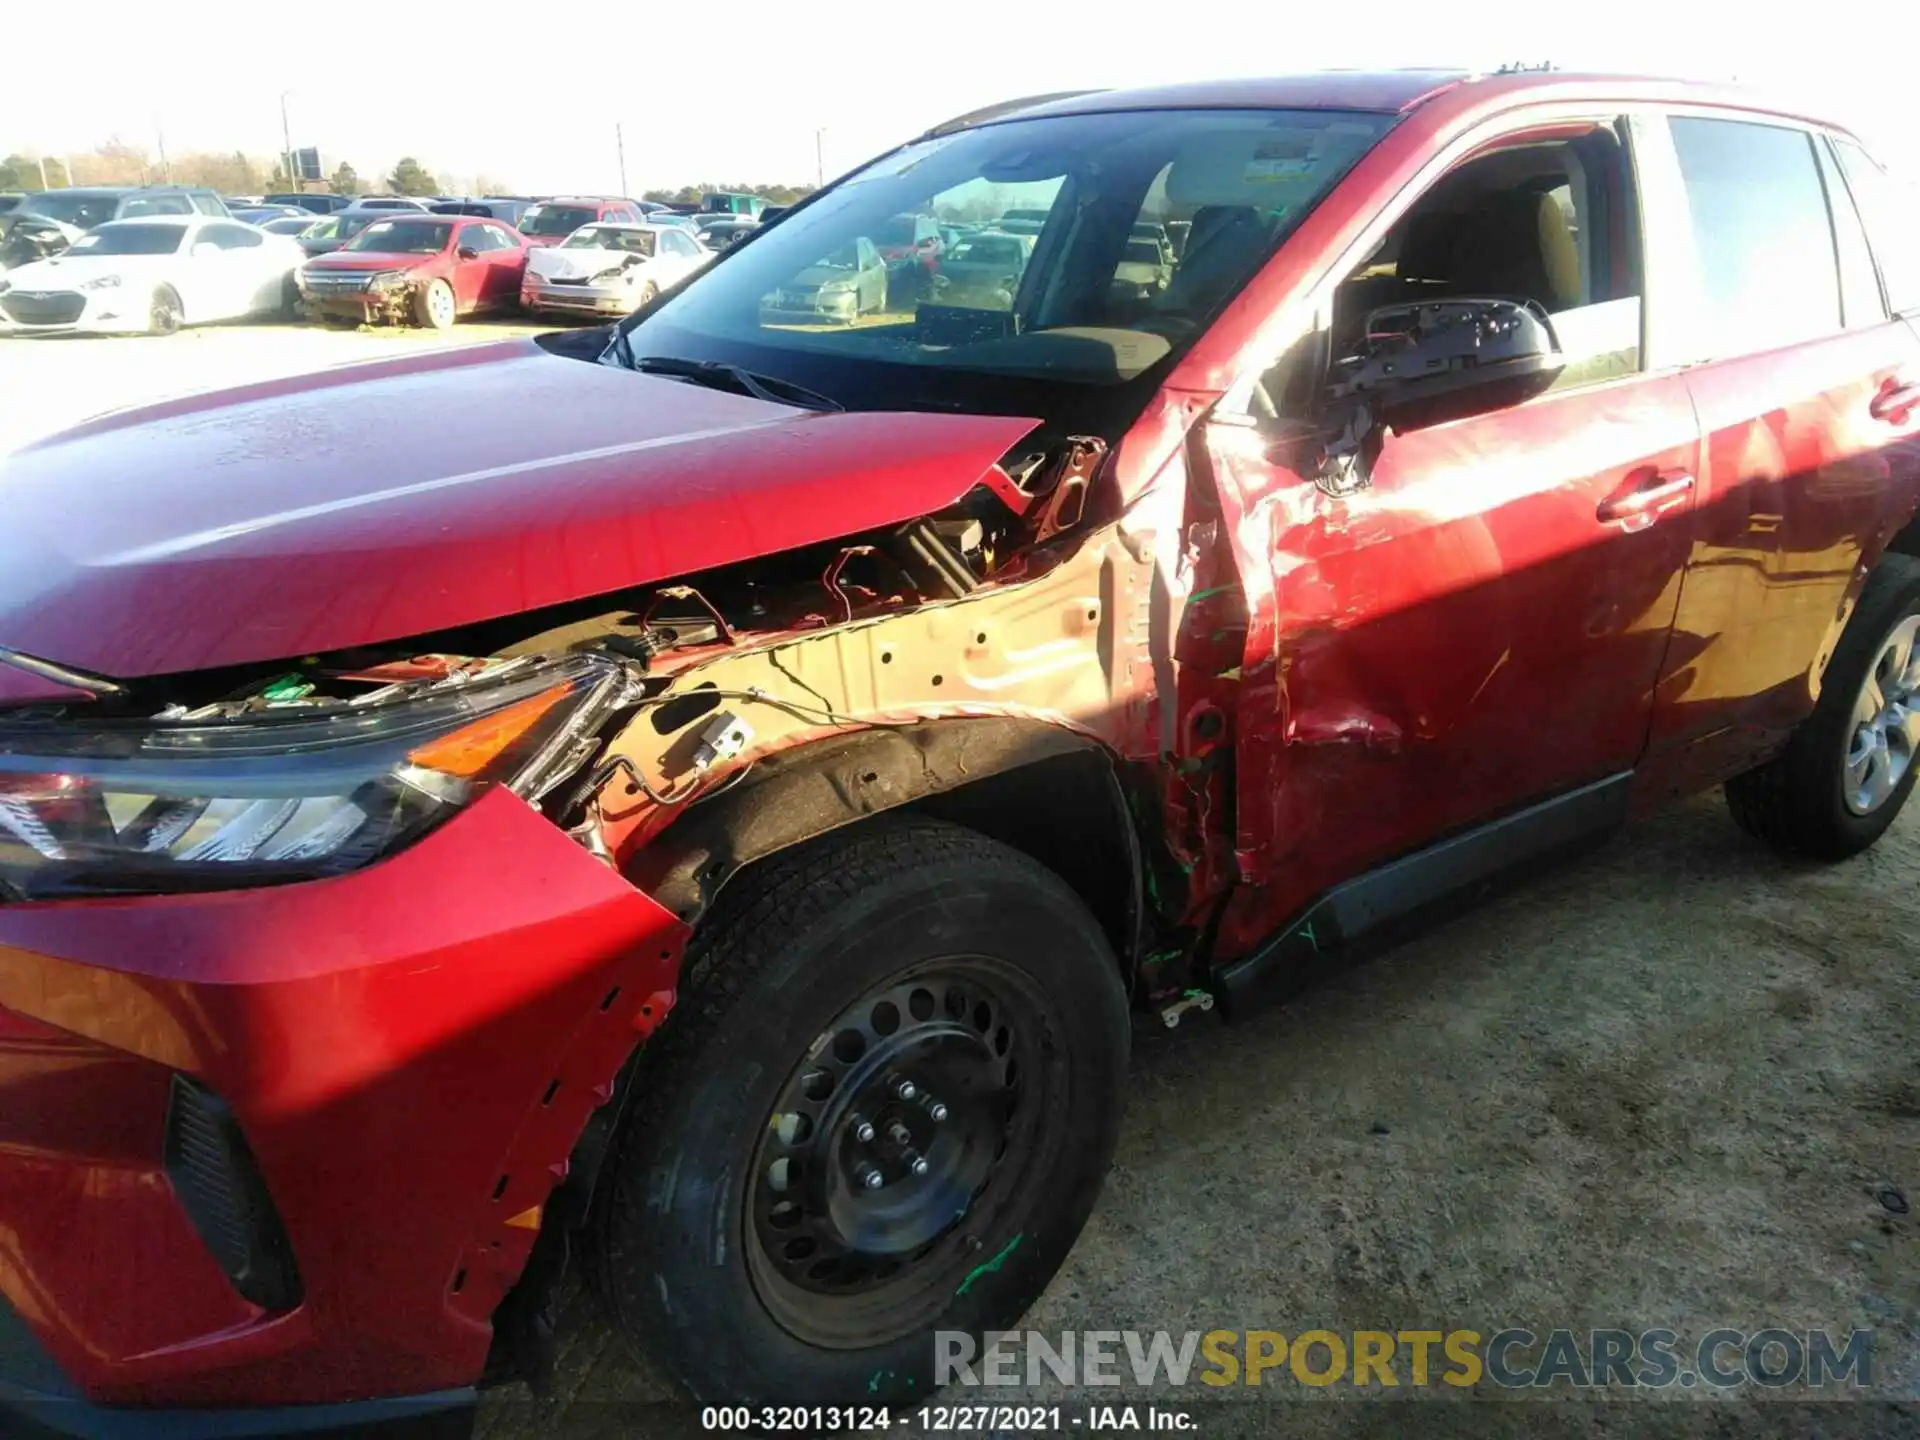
x: 1674, y: 1085
x: 1664, y: 1087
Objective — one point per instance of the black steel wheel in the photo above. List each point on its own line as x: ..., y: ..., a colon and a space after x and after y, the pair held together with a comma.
x: 883, y: 1107
x: 879, y: 1157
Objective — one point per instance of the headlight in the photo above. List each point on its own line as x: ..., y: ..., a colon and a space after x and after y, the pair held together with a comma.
x: 287, y: 792
x: 388, y: 280
x: 105, y: 282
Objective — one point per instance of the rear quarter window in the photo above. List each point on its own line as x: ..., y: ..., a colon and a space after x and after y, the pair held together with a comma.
x: 1890, y: 207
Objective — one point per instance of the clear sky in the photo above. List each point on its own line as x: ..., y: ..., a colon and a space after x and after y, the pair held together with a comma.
x: 529, y: 93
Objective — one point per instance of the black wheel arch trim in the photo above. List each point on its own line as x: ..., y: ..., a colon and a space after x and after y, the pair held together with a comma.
x: 798, y: 795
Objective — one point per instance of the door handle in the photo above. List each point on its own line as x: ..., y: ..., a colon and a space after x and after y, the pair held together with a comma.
x: 1646, y: 498
x: 1895, y: 402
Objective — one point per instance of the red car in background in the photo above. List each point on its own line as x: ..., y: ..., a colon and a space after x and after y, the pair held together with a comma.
x: 430, y: 269
x: 552, y: 220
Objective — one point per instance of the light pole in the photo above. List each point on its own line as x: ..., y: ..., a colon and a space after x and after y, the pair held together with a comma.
x: 620, y: 146
x: 286, y: 139
x: 819, y: 158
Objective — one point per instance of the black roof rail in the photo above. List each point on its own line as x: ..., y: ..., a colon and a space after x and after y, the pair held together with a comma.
x: 1005, y: 107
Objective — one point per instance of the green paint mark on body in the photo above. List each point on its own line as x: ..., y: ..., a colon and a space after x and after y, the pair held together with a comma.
x: 873, y: 1385
x: 991, y: 1265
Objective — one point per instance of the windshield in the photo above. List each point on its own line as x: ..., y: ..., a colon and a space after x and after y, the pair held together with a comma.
x: 610, y: 237
x: 84, y: 211
x: 403, y: 237
x: 898, y: 337
x: 130, y: 240
x: 556, y: 219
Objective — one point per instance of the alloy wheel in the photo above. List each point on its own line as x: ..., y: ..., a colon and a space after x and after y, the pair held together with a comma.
x: 1885, y: 732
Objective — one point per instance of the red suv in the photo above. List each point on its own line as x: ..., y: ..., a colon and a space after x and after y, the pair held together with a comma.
x: 430, y: 269
x: 704, y: 800
x: 549, y: 221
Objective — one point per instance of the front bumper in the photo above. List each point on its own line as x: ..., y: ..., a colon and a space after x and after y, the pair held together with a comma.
x: 411, y: 1052
x: 836, y: 309
x: 121, y: 310
x: 576, y: 299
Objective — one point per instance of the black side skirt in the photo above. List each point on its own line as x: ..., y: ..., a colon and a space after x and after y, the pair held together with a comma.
x: 1363, y: 915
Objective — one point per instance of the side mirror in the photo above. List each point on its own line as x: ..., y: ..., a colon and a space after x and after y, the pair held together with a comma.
x: 467, y: 252
x: 1435, y: 360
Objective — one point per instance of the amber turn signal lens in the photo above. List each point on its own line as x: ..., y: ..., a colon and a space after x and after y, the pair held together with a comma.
x: 471, y: 751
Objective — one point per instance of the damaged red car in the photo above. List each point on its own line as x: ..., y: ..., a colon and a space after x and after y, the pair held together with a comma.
x: 427, y: 270
x: 705, y: 801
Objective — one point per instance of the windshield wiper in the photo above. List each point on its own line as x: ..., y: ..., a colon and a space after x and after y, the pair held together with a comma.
x: 717, y: 375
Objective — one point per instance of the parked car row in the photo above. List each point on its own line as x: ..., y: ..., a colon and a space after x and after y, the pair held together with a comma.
x: 432, y: 261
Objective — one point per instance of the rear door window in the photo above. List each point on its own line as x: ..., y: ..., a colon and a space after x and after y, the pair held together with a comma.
x: 1762, y: 237
x: 1891, y: 209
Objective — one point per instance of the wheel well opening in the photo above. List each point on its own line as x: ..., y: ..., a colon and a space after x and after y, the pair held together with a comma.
x: 1907, y: 541
x: 1068, y: 814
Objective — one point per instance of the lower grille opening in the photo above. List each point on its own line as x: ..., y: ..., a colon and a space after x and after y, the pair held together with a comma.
x: 221, y: 1189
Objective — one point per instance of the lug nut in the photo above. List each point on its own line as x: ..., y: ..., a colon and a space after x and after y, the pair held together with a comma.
x: 862, y: 1128
x: 899, y: 1134
x: 935, y: 1110
x: 916, y: 1162
x: 905, y: 1089
x: 870, y: 1178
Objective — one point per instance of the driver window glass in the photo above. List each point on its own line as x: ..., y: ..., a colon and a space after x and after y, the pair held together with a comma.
x: 1548, y: 223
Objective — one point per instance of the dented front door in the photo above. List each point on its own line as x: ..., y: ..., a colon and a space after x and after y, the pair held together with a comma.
x: 1479, y: 626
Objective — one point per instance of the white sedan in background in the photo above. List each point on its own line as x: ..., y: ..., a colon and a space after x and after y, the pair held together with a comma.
x: 603, y: 270
x: 151, y: 276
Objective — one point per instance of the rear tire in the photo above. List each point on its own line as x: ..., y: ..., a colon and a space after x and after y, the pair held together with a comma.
x: 434, y: 307
x: 747, y: 1235
x: 1826, y: 796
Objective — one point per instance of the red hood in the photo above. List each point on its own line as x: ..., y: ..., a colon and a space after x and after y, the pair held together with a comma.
x: 372, y: 260
x: 376, y: 502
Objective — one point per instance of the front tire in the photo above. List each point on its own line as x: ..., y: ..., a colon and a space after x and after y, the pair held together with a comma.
x: 165, y: 314
x: 883, y: 1107
x: 1851, y: 764
x: 434, y: 307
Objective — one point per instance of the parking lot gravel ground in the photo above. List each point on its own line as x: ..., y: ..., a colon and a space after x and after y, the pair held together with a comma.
x: 1673, y: 1085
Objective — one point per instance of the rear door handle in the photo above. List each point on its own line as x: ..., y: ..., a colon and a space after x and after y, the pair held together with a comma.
x: 1895, y: 402
x: 1645, y: 500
